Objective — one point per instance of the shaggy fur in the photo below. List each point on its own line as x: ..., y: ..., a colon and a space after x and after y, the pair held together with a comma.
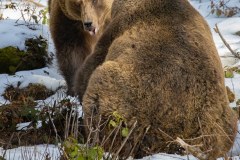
x: 73, y: 44
x: 156, y: 63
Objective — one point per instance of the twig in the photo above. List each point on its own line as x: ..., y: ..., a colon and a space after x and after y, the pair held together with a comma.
x: 74, y: 120
x: 91, y: 129
x: 35, y: 3
x: 105, y: 139
x: 66, y: 126
x: 225, y: 42
x: 114, y: 138
x: 125, y: 140
x: 166, y: 134
x: 76, y: 125
x: 50, y: 118
x: 139, y: 141
x: 68, y: 122
x: 194, y: 150
x: 10, y: 140
x: 97, y: 130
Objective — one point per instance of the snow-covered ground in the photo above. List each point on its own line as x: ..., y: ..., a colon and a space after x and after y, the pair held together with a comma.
x: 12, y: 34
x: 39, y: 152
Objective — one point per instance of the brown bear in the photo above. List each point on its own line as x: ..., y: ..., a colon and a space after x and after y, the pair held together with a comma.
x: 157, y: 67
x: 72, y: 42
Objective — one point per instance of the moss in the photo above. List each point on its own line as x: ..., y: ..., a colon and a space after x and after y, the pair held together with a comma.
x: 12, y: 59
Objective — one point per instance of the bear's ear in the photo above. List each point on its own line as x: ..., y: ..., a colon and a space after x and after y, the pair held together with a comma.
x: 79, y: 2
x: 73, y: 9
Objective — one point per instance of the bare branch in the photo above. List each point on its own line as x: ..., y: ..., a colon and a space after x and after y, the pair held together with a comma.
x: 35, y: 3
x: 225, y: 42
x: 194, y: 150
x: 125, y: 140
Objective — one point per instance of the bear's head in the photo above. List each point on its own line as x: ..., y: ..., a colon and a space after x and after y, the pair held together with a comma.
x: 98, y: 12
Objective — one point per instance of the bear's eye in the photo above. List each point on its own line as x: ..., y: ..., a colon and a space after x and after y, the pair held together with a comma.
x: 94, y: 1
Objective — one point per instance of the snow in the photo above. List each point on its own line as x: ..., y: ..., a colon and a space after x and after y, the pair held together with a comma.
x: 45, y: 76
x: 38, y: 152
x: 164, y: 156
x: 14, y: 34
x: 25, y: 126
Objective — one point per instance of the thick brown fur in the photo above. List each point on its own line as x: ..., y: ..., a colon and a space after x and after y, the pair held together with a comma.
x: 73, y: 44
x: 156, y: 63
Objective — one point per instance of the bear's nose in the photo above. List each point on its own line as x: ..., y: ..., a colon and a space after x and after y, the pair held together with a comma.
x: 87, y: 24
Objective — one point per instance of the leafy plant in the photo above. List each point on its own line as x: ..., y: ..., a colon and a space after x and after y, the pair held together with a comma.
x: 118, y: 120
x: 74, y: 151
x: 43, y: 16
x: 229, y: 71
x: 229, y: 74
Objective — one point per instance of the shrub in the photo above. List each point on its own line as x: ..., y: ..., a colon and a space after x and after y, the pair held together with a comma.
x: 36, y: 56
x: 221, y: 8
x: 72, y: 150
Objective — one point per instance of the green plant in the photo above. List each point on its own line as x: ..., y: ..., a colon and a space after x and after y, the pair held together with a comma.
x: 118, y: 120
x: 10, y: 59
x: 74, y: 151
x: 229, y: 74
x: 36, y: 56
x: 43, y: 16
x: 229, y: 71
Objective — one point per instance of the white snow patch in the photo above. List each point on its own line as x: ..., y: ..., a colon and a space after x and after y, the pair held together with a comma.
x: 37, y: 152
x: 27, y: 125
